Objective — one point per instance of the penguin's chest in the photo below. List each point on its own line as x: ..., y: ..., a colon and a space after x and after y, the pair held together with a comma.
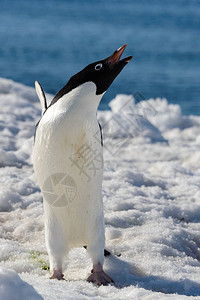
x: 68, y: 163
x: 78, y: 147
x: 68, y: 153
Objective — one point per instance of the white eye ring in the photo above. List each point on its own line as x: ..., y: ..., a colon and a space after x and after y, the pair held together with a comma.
x: 98, y: 67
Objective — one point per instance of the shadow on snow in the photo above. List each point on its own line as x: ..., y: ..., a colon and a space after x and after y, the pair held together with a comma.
x: 126, y: 274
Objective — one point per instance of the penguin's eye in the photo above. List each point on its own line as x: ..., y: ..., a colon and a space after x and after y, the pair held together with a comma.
x: 98, y: 67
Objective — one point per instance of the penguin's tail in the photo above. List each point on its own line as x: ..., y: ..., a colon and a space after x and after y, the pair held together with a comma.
x: 106, y: 252
x: 41, y: 96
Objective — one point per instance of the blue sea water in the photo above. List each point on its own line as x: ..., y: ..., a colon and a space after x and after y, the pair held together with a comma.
x: 50, y: 40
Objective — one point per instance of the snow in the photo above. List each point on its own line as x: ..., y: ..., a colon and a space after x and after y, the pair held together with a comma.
x: 13, y: 287
x: 151, y: 193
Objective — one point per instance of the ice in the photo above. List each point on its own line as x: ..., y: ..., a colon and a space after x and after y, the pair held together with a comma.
x: 151, y: 192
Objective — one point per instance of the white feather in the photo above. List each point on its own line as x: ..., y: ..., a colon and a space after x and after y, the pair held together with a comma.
x: 64, y: 129
x: 41, y: 96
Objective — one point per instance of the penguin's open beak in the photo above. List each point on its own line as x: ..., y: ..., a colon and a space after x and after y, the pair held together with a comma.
x: 113, y: 66
x: 115, y: 57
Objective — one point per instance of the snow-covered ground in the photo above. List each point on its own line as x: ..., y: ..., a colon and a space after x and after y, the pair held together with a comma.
x: 151, y: 193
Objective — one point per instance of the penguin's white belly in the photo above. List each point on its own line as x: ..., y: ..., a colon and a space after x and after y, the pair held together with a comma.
x: 68, y: 164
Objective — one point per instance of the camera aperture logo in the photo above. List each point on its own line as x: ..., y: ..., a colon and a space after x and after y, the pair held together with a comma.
x: 59, y: 189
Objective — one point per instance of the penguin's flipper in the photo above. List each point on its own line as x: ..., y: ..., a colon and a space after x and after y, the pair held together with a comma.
x: 41, y: 96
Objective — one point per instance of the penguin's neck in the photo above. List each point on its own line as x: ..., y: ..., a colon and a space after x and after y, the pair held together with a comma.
x: 81, y: 99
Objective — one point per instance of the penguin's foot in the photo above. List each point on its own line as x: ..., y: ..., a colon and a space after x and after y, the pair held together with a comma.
x: 99, y: 277
x: 56, y: 274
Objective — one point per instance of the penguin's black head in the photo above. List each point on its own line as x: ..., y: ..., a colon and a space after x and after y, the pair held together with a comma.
x: 102, y: 73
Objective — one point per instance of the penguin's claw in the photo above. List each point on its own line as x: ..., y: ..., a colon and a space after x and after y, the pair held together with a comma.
x: 57, y: 275
x: 100, y: 278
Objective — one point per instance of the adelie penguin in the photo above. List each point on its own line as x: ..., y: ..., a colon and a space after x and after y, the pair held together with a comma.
x: 68, y: 164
